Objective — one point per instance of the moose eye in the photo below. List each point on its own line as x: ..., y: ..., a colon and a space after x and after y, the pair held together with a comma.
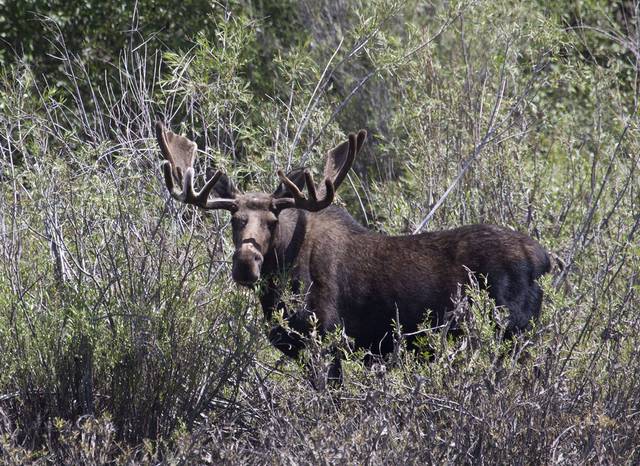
x: 271, y: 223
x: 238, y: 222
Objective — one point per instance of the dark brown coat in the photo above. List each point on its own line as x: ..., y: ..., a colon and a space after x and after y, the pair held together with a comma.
x: 359, y: 279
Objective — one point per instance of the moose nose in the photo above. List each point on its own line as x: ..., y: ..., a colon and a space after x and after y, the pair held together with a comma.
x: 247, y: 262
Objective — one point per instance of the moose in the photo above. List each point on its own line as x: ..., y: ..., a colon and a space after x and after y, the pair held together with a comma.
x: 348, y: 276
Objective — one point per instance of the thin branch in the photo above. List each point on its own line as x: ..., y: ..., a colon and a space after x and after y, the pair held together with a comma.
x: 491, y: 129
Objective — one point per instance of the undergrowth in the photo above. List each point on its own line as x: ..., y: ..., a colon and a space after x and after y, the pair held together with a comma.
x: 122, y: 336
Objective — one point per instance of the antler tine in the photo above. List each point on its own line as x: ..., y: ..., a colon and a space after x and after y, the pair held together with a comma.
x: 329, y: 191
x: 299, y: 200
x: 160, y: 136
x: 216, y: 203
x: 291, y: 185
x: 311, y: 185
x: 168, y: 178
x: 208, y: 186
x: 188, y: 194
x: 188, y: 191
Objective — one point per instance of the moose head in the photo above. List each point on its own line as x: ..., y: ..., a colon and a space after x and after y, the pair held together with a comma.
x: 254, y: 215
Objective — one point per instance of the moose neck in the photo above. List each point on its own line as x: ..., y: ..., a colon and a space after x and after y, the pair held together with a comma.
x: 289, y: 237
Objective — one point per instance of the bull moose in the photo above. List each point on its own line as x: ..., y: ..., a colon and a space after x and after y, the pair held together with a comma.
x: 350, y: 276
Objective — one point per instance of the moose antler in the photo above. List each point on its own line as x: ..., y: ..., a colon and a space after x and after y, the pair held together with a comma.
x: 339, y: 161
x: 179, y: 153
x: 299, y: 200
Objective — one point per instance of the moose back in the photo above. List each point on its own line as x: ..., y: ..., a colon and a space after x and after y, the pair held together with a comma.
x: 348, y: 275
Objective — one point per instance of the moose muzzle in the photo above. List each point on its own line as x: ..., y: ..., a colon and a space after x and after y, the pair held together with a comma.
x: 247, y: 262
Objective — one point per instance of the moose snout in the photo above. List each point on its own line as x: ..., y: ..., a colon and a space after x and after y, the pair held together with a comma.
x: 247, y: 262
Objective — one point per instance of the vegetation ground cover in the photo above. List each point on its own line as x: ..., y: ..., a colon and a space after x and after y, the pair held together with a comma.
x: 122, y: 337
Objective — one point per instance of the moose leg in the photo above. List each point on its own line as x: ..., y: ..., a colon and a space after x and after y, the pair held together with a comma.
x: 328, y: 322
x: 334, y: 375
x: 290, y: 343
x: 322, y: 376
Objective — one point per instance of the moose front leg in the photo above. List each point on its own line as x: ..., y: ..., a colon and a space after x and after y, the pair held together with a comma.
x: 289, y: 342
x: 334, y: 375
x: 322, y: 300
x: 292, y: 340
x: 299, y: 327
x: 320, y: 374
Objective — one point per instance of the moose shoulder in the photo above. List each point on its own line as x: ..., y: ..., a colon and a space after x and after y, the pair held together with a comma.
x: 350, y: 276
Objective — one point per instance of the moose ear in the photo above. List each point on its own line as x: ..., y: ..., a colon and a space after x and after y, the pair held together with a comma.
x: 341, y: 157
x: 223, y: 188
x: 297, y: 176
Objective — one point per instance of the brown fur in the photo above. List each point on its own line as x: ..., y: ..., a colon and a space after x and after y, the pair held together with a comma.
x: 357, y: 279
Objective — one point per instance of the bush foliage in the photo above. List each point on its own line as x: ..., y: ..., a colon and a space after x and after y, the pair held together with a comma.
x: 122, y: 338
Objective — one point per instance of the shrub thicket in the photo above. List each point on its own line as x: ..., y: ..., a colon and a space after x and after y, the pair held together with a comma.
x: 122, y: 338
